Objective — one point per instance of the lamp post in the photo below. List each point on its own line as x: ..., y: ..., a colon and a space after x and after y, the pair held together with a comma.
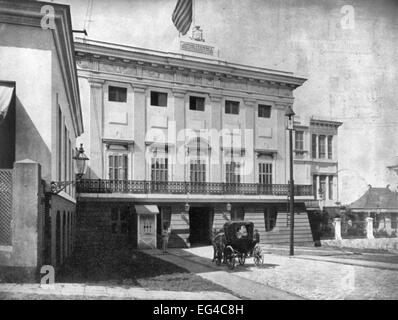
x: 290, y: 121
x: 81, y: 166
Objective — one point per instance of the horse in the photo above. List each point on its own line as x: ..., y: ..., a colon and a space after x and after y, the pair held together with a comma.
x: 218, y: 241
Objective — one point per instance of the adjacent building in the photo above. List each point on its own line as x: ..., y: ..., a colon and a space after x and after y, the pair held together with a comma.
x: 187, y: 139
x: 40, y: 118
x: 381, y: 204
x: 316, y: 159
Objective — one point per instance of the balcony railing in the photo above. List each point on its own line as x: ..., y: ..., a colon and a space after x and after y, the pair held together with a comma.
x: 181, y: 187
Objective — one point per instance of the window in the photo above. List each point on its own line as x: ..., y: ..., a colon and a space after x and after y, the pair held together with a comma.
x: 232, y: 171
x: 198, y: 170
x: 330, y: 147
x: 159, y: 169
x: 330, y: 188
x: 265, y: 173
x: 231, y: 107
x: 264, y: 111
x: 196, y: 103
x: 299, y: 141
x: 322, y: 147
x: 119, y: 220
x: 158, y: 99
x: 117, y: 94
x: 313, y: 147
x: 118, y: 167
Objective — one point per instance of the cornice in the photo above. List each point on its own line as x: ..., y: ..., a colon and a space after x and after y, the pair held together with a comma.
x: 28, y: 13
x: 87, y: 49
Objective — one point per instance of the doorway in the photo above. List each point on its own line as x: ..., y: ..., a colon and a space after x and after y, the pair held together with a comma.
x: 200, y: 220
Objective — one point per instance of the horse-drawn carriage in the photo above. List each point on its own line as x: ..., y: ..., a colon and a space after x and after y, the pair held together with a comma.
x: 237, y: 241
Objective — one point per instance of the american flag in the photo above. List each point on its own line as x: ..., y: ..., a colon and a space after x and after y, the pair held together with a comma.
x: 182, y: 15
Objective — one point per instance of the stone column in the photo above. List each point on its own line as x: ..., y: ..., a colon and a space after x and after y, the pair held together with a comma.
x: 326, y: 146
x: 139, y: 165
x: 215, y: 129
x: 318, y: 185
x: 180, y: 150
x: 317, y: 146
x: 94, y: 148
x: 337, y: 228
x: 327, y: 188
x: 249, y: 139
x: 369, y: 228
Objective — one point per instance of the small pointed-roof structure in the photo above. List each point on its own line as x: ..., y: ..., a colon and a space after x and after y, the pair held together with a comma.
x: 376, y: 199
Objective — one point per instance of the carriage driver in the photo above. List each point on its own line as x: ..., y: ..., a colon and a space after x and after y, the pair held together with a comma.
x: 242, y: 232
x: 256, y: 236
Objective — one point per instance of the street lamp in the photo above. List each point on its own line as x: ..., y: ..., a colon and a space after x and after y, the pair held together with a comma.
x: 290, y: 126
x: 229, y: 207
x: 81, y: 166
x: 81, y: 162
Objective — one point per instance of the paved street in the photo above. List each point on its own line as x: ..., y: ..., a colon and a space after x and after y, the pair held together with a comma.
x: 313, y: 273
x: 317, y: 274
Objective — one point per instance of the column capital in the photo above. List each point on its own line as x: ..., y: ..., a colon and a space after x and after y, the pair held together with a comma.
x: 178, y: 93
x: 215, y: 97
x: 250, y: 102
x: 138, y: 88
x: 96, y: 82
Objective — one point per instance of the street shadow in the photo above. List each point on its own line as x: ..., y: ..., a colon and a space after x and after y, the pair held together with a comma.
x: 113, y: 265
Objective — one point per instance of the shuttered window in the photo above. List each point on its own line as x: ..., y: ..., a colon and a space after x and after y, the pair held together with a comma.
x: 118, y: 166
x: 232, y: 171
x: 159, y: 169
x: 265, y: 173
x: 198, y: 171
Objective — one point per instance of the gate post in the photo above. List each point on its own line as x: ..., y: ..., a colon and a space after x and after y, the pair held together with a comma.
x: 369, y: 228
x: 337, y: 228
x: 27, y: 220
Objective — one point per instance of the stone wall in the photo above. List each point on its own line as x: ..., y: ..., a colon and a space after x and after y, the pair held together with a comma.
x: 388, y: 244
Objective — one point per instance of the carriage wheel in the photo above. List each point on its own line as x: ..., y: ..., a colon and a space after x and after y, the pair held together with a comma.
x: 230, y: 258
x: 242, y: 259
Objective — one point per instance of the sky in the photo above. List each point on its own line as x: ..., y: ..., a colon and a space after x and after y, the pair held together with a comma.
x: 349, y: 55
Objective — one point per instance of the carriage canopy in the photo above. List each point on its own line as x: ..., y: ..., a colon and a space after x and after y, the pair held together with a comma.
x: 238, y: 231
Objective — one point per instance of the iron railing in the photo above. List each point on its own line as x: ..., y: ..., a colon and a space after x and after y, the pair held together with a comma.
x: 181, y: 187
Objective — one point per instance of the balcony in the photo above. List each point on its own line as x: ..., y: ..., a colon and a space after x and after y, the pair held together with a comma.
x: 181, y: 187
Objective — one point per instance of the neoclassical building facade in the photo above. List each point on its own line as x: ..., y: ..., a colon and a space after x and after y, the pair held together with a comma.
x: 187, y: 139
